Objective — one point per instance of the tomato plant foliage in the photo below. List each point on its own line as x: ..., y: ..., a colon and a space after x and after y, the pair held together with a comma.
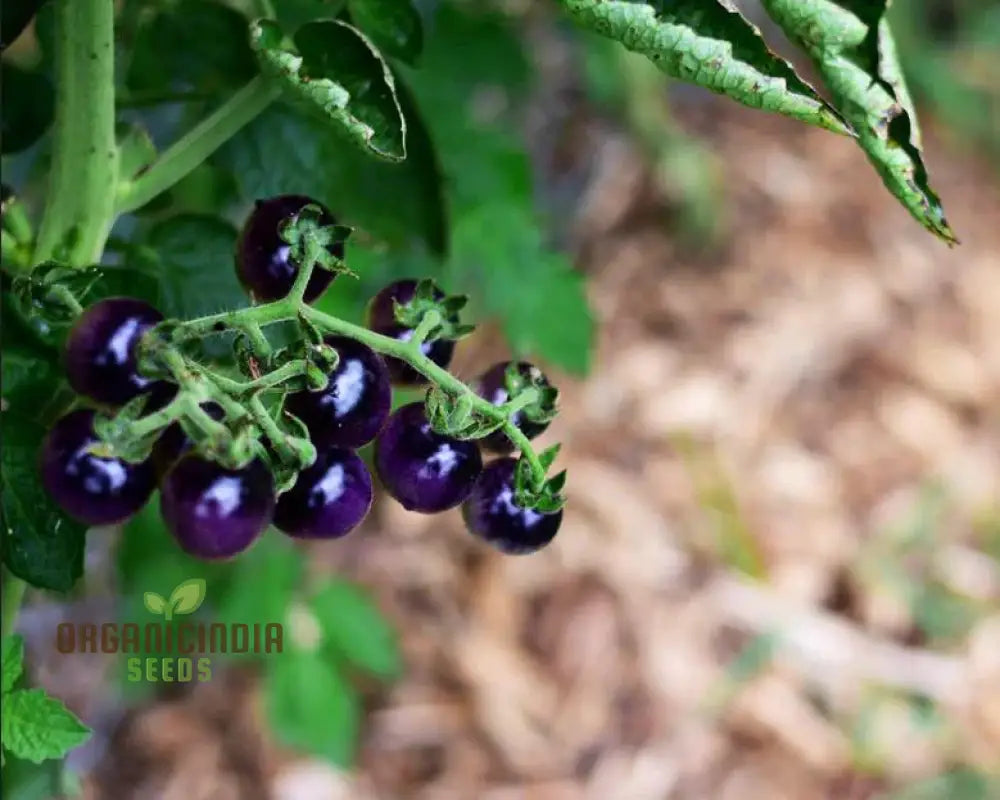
x: 139, y: 135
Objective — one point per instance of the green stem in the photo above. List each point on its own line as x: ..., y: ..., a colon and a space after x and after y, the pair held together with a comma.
x: 297, y: 294
x: 144, y: 426
x: 285, y: 372
x: 428, y: 322
x: 270, y: 428
x: 198, y: 144
x: 258, y: 341
x: 79, y: 206
x: 65, y: 296
x: 13, y: 593
x: 523, y: 400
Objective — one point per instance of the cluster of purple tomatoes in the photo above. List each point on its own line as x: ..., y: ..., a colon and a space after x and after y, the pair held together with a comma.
x: 217, y: 512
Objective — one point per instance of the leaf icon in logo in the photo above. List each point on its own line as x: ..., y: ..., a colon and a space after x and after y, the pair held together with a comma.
x: 187, y: 597
x: 155, y: 604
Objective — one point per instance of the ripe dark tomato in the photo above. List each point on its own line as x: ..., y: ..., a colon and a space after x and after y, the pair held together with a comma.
x: 328, y: 499
x: 174, y: 443
x: 101, y: 361
x: 424, y: 470
x: 381, y: 318
x: 491, y: 385
x: 492, y: 514
x: 215, y: 512
x: 93, y: 488
x: 264, y: 263
x: 356, y: 402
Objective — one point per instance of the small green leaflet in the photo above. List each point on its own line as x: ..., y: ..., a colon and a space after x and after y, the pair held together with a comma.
x: 312, y: 707
x: 35, y: 726
x: 852, y: 46
x: 339, y: 74
x: 708, y: 43
x: 355, y: 630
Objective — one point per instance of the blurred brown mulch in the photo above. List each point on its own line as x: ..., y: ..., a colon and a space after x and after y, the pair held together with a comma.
x: 742, y: 603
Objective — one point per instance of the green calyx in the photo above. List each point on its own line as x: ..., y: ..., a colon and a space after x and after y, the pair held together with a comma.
x: 530, y: 392
x: 545, y: 496
x: 311, y: 240
x: 433, y: 313
x: 456, y: 415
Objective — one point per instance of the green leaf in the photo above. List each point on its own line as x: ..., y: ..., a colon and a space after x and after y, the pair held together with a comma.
x: 338, y: 74
x: 28, y: 107
x: 193, y: 44
x: 12, y: 660
x: 154, y: 603
x: 538, y: 296
x: 394, y: 25
x: 711, y: 44
x: 187, y: 597
x: 264, y: 579
x: 191, y: 255
x: 37, y: 726
x: 285, y: 151
x: 355, y: 629
x: 31, y: 386
x: 293, y: 13
x: 852, y: 46
x: 312, y: 707
x: 40, y: 543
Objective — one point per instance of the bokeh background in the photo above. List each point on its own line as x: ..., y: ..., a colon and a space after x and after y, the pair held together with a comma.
x: 778, y: 577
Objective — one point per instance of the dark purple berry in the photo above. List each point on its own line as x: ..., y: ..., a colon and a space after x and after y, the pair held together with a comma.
x: 492, y: 513
x: 356, y: 402
x: 175, y: 443
x: 91, y: 487
x: 101, y: 360
x: 424, y: 470
x: 215, y: 512
x: 264, y: 263
x: 382, y: 319
x: 329, y: 499
x: 492, y: 386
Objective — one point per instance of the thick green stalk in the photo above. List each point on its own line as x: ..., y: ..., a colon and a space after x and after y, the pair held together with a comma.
x: 198, y: 144
x: 79, y: 206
